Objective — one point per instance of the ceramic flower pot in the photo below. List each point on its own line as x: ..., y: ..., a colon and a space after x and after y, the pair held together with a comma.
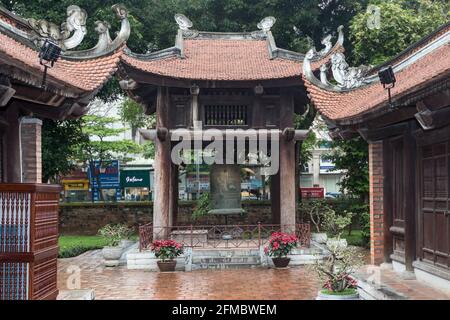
x: 281, y: 263
x: 112, y: 255
x: 319, y: 237
x: 324, y: 296
x: 167, y: 266
x: 126, y: 243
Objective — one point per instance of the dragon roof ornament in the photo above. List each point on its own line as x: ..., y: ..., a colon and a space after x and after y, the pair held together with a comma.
x: 266, y: 24
x: 326, y: 42
x: 72, y: 32
x: 344, y: 76
x: 69, y: 35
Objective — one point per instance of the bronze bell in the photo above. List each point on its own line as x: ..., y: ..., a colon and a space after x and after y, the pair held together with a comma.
x: 225, y: 190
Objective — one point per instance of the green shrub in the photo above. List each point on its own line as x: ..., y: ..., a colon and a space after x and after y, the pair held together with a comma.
x: 365, y: 234
x: 202, y: 207
x: 113, y: 234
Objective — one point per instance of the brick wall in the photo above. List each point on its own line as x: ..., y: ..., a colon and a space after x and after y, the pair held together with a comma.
x: 31, y: 129
x: 86, y: 219
x: 376, y: 203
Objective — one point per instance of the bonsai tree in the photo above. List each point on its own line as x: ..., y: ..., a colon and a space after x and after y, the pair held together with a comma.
x: 335, y: 224
x: 113, y: 234
x: 316, y: 210
x: 336, y: 269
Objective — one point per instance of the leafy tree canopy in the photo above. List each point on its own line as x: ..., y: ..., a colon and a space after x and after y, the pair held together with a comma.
x: 402, y: 22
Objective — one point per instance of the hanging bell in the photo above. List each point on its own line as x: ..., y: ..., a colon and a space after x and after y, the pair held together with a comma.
x: 226, y: 190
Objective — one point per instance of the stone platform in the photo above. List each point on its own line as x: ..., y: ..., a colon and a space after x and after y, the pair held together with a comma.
x: 222, y: 258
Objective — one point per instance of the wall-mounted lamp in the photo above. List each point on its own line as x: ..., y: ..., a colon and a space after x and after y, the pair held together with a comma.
x: 49, y: 54
x: 388, y: 80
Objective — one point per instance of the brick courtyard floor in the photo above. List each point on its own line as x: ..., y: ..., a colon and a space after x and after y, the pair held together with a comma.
x: 244, y: 284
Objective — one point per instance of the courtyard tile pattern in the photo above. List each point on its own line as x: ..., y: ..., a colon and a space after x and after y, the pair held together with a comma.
x: 295, y: 283
x: 244, y: 284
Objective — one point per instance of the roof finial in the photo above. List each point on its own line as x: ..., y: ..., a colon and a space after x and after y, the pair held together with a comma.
x: 266, y: 24
x: 183, y: 22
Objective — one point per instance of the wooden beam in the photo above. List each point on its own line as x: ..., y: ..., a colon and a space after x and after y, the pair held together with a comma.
x: 289, y: 134
x: 6, y: 93
x: 383, y: 133
x: 430, y: 120
x: 391, y: 117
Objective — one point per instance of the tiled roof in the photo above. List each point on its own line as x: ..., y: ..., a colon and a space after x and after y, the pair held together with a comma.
x: 349, y: 105
x: 220, y: 59
x: 86, y: 75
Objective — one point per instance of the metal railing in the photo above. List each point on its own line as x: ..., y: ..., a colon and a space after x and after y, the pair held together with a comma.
x: 221, y: 236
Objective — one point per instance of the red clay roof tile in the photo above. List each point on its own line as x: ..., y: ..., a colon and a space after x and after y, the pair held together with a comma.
x: 351, y: 104
x: 221, y: 59
x: 86, y: 75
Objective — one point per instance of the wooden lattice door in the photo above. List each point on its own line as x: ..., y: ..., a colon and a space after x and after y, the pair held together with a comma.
x: 434, y: 205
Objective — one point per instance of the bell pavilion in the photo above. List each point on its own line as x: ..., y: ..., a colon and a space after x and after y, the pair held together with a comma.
x: 227, y: 89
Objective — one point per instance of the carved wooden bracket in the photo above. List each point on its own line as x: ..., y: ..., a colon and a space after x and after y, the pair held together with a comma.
x: 430, y: 120
x: 6, y: 93
x: 162, y: 134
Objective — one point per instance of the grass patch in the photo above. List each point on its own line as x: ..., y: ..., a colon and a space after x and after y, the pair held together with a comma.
x: 346, y: 292
x: 354, y: 239
x: 72, y: 246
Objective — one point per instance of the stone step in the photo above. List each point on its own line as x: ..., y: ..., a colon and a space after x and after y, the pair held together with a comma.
x: 225, y: 260
x: 227, y: 253
x: 225, y: 266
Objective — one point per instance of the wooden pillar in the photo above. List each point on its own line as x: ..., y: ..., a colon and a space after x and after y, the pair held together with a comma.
x: 13, y: 166
x: 275, y: 198
x: 388, y: 201
x: 174, y: 195
x: 287, y: 165
x: 287, y: 185
x: 409, y: 199
x: 162, y: 165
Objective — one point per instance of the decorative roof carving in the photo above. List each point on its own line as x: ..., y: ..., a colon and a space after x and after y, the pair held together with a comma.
x: 266, y: 24
x: 346, y: 76
x: 69, y: 35
x: 183, y: 22
x: 72, y: 32
x: 105, y: 43
x: 326, y: 42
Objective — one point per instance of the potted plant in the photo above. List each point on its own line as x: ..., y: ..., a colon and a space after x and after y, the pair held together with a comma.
x: 167, y: 251
x: 127, y: 234
x: 280, y: 245
x: 316, y: 210
x: 335, y: 225
x: 113, y: 234
x: 335, y: 273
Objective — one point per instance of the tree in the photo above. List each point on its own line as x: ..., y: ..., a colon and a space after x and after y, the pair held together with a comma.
x: 353, y: 157
x: 402, y: 22
x: 131, y: 113
x: 59, y: 147
x: 102, y: 144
